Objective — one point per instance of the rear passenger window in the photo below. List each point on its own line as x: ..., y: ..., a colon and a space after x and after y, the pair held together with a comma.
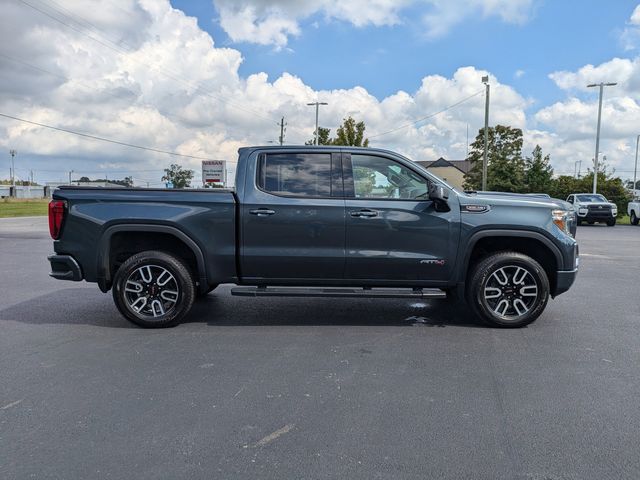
x: 298, y: 174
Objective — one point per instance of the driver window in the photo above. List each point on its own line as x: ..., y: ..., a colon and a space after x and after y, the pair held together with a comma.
x: 379, y: 177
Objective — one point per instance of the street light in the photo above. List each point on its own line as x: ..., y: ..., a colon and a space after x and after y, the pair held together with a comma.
x: 595, y: 166
x: 317, y: 104
x: 13, y: 153
x: 485, y: 80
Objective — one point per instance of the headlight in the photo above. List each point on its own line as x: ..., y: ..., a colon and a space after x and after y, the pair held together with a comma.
x: 560, y: 218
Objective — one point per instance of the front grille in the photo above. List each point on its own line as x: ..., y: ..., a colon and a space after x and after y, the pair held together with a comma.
x: 600, y: 210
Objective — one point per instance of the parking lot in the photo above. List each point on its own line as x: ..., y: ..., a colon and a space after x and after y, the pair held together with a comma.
x: 314, y: 388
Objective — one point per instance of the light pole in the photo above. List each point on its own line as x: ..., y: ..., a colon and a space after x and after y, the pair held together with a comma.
x: 635, y: 168
x: 317, y: 104
x: 595, y: 165
x: 70, y: 172
x: 13, y: 153
x: 485, y: 80
x: 577, y: 166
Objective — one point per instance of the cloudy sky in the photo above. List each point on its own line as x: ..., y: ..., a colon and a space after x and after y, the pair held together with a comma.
x: 205, y: 78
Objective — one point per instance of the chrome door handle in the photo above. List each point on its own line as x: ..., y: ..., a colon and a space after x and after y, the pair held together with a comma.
x: 364, y: 213
x: 262, y: 212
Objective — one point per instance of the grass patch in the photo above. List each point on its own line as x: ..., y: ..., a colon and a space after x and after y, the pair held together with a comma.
x: 624, y: 220
x: 11, y: 207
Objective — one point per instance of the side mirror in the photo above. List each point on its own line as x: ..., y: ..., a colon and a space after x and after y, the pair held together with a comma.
x: 439, y: 195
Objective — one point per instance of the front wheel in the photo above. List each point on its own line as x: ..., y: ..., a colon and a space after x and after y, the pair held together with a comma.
x: 634, y: 218
x: 153, y: 289
x: 508, y: 289
x: 611, y: 223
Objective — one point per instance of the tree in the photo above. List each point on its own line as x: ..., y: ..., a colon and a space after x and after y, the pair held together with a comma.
x: 506, y: 168
x: 349, y: 133
x: 179, y: 177
x: 538, y: 172
x: 323, y: 137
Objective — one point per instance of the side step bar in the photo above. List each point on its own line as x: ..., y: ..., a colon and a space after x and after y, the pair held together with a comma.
x: 338, y: 292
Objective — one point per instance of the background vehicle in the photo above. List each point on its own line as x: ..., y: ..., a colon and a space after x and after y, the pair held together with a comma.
x: 592, y: 208
x: 633, y: 210
x: 315, y: 221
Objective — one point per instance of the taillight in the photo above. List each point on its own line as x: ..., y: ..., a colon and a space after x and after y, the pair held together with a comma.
x: 56, y: 217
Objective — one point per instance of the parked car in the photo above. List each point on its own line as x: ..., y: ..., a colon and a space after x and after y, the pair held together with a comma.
x: 633, y: 210
x: 315, y: 221
x: 593, y: 207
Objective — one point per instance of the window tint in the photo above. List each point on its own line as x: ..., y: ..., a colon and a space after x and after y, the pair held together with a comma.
x: 299, y: 174
x: 378, y: 177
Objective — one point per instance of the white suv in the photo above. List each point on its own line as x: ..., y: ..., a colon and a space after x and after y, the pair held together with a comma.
x: 633, y: 209
x: 592, y: 208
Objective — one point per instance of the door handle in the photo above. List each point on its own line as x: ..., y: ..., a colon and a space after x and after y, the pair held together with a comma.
x: 262, y: 212
x: 364, y: 213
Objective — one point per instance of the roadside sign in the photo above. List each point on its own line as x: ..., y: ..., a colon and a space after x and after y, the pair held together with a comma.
x: 214, y: 171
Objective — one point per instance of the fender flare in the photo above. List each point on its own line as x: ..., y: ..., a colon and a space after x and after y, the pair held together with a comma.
x: 104, y: 245
x: 508, y: 233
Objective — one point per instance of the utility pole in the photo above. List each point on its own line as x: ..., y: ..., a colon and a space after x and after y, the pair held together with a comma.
x: 595, y: 162
x: 317, y: 104
x: 485, y: 80
x: 282, y: 130
x: 635, y: 169
x: 70, y: 172
x: 13, y: 153
x: 577, y: 166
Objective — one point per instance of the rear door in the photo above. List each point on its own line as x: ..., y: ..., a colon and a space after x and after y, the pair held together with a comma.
x: 293, y: 217
x: 394, y: 232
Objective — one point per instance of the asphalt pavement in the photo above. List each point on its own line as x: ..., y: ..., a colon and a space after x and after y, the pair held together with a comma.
x: 318, y: 388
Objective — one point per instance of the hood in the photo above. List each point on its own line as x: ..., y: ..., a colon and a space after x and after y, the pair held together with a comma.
x: 515, y: 199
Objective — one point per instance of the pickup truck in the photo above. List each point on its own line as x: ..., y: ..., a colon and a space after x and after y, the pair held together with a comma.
x: 593, y: 207
x: 633, y: 210
x: 315, y: 221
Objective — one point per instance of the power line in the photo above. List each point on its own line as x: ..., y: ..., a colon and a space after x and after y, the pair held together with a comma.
x: 427, y: 116
x: 102, y: 139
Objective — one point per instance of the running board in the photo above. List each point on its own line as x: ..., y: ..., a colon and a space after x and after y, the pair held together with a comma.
x: 338, y: 292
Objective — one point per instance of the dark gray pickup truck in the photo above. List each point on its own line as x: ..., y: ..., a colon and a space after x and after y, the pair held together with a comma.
x: 315, y: 221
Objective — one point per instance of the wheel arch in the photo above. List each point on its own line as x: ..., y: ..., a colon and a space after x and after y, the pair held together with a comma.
x: 533, y: 244
x: 105, y: 264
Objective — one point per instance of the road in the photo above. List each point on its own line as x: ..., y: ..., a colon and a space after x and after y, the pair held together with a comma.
x: 313, y: 388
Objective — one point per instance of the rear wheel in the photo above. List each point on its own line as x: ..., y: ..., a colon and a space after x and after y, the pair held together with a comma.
x: 508, y: 289
x: 153, y: 289
x: 634, y: 218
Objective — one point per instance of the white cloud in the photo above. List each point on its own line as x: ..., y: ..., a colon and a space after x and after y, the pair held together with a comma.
x: 272, y: 22
x: 621, y: 70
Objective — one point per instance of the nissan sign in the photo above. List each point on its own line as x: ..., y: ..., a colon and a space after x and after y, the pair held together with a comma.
x: 214, y: 171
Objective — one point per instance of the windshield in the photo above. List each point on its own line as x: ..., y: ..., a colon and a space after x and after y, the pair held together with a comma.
x: 591, y: 198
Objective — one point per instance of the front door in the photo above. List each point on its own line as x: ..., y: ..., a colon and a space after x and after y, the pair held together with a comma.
x: 394, y: 231
x: 293, y: 217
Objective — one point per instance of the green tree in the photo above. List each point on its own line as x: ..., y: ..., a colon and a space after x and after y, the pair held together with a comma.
x: 178, y: 176
x: 350, y: 133
x: 506, y: 168
x: 538, y: 172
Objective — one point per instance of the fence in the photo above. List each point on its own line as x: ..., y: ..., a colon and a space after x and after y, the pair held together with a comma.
x: 24, y: 192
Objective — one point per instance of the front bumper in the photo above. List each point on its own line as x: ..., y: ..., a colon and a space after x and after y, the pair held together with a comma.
x: 564, y: 280
x: 65, y: 267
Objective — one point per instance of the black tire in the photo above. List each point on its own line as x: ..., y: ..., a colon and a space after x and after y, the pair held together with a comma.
x: 211, y: 289
x: 611, y: 223
x: 142, y: 275
x: 634, y: 218
x: 522, y: 308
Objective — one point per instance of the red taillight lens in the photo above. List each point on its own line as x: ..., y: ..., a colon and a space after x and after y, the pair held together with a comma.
x: 56, y: 216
